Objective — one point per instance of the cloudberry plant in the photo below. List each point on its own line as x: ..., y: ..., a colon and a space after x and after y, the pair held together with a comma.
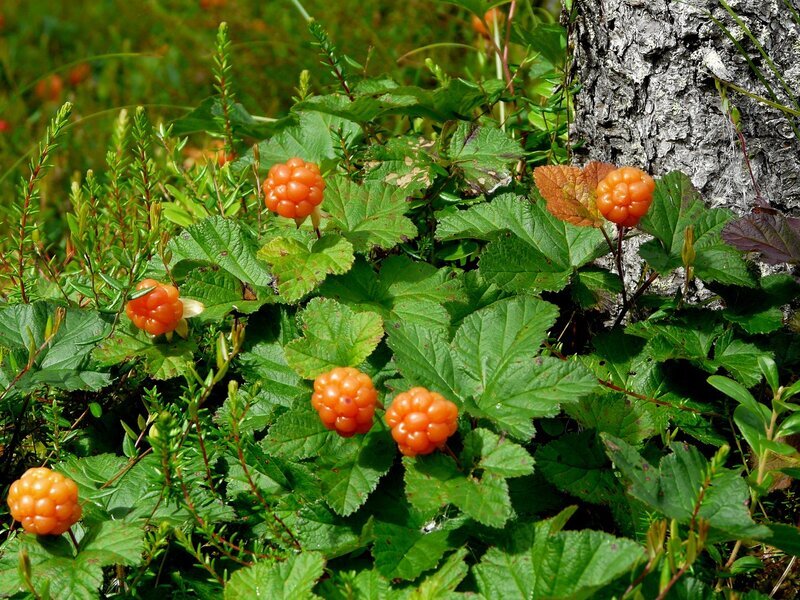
x: 625, y: 195
x: 345, y: 399
x: 158, y: 311
x: 421, y: 421
x: 45, y: 502
x: 294, y: 190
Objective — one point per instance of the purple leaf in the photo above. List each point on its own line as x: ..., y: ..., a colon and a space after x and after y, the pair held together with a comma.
x: 773, y: 234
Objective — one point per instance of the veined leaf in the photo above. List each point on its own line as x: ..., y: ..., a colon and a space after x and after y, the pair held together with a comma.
x: 566, y: 565
x: 291, y: 579
x: 300, y: 265
x: 677, y: 206
x: 674, y: 488
x: 221, y: 242
x: 482, y: 155
x: 570, y: 192
x: 69, y: 576
x: 349, y: 476
x: 334, y: 336
x: 163, y: 359
x: 369, y: 215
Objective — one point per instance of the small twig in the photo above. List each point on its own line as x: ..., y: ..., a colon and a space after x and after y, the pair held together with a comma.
x: 783, y: 577
x: 642, y: 289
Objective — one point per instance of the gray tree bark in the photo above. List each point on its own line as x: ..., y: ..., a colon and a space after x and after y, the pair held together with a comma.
x: 648, y: 96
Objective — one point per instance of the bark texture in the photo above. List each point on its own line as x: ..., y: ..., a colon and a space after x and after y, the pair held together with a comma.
x: 648, y: 95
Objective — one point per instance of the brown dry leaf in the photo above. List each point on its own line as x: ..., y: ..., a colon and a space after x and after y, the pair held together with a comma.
x: 570, y: 192
x: 596, y: 171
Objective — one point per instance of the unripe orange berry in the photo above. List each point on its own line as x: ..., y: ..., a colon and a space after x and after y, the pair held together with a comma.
x: 625, y: 195
x: 294, y: 189
x: 345, y: 399
x: 45, y: 502
x: 158, y: 311
x: 421, y: 421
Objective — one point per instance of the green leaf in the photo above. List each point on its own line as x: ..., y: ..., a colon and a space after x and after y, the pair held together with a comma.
x: 405, y: 552
x: 296, y: 434
x: 424, y: 358
x: 515, y: 266
x: 570, y: 565
x: 434, y: 481
x: 577, y: 464
x: 162, y: 359
x: 595, y: 287
x: 64, y: 361
x: 561, y: 243
x: 740, y: 393
x: 221, y: 293
x: 488, y: 451
x: 692, y: 337
x: 454, y: 100
x: 318, y: 528
x: 291, y: 579
x: 208, y: 118
x: 535, y: 388
x: 65, y: 575
x: 676, y: 206
x: 312, y: 136
x: 674, y: 488
x: 739, y: 358
x: 300, y: 266
x: 483, y: 155
x: 543, y: 252
x: 349, y: 585
x: 403, y: 161
x: 369, y: 215
x: 334, y: 336
x: 404, y: 291
x: 279, y: 384
x: 349, y: 476
x: 440, y: 585
x: 490, y: 340
x: 623, y: 416
x: 222, y: 242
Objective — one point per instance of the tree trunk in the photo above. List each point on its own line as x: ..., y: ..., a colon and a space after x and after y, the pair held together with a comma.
x: 648, y: 98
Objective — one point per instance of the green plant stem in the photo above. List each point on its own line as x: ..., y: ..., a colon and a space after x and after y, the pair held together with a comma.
x: 302, y: 10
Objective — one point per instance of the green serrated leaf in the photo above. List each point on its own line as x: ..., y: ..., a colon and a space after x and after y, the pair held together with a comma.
x: 312, y: 136
x: 163, y: 359
x: 221, y: 293
x: 434, y: 481
x: 441, y: 584
x: 334, y: 336
x: 64, y: 361
x: 404, y: 291
x: 291, y: 579
x: 70, y: 576
x: 674, y: 489
x: 300, y: 266
x: 577, y: 464
x: 569, y: 565
x: 222, y: 242
x: 676, y: 206
x: 369, y: 215
x: 493, y: 454
x: 424, y: 358
x: 350, y: 476
x: 483, y: 156
x: 490, y: 340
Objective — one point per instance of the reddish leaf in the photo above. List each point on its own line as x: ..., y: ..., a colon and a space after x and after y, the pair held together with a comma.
x: 774, y: 235
x: 569, y: 192
x: 595, y: 172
